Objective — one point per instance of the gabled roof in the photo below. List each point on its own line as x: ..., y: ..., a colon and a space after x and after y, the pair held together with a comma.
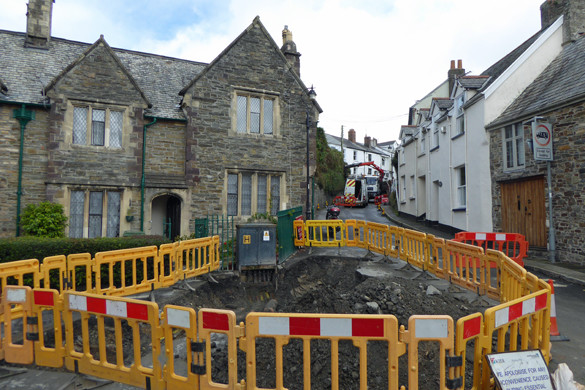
x: 442, y: 103
x: 100, y: 41
x: 26, y: 72
x: 561, y: 83
x: 473, y: 82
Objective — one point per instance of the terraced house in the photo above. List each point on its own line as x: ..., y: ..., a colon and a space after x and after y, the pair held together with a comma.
x: 126, y: 140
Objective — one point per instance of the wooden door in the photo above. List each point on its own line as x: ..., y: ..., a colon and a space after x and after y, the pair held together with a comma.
x: 524, y: 210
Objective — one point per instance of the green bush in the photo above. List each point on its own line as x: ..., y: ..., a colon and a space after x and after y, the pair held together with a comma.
x: 44, y: 220
x: 22, y: 248
x: 330, y: 164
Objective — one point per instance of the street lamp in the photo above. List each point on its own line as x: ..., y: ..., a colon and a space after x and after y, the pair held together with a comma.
x: 312, y: 95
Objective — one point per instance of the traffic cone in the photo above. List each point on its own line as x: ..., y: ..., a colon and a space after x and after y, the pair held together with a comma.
x: 554, y: 330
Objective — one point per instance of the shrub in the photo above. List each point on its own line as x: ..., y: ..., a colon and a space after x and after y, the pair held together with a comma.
x: 44, y: 220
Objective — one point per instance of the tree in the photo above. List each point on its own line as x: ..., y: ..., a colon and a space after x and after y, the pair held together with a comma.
x: 44, y: 220
x: 329, y: 173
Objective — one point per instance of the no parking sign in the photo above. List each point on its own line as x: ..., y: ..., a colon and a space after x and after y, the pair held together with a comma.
x: 542, y: 141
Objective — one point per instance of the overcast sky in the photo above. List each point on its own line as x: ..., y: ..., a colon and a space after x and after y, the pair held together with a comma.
x: 369, y: 60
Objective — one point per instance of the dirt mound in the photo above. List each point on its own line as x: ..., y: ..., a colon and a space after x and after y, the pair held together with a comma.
x: 330, y: 285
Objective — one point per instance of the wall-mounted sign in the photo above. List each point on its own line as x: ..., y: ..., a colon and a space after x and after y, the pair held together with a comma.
x: 542, y: 141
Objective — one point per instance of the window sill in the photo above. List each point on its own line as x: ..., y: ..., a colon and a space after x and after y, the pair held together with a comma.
x: 458, y: 135
x: 459, y: 209
x: 412, y: 198
x: 514, y: 169
x: 433, y: 149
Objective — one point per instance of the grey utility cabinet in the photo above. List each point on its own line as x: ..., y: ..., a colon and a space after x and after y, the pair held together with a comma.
x: 256, y: 247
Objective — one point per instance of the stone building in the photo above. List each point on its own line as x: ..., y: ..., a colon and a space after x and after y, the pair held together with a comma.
x: 126, y: 140
x: 555, y: 104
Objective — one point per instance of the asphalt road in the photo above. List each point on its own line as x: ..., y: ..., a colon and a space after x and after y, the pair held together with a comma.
x: 569, y: 300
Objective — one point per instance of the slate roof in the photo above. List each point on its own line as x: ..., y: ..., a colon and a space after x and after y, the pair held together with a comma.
x: 334, y: 140
x: 561, y: 83
x: 443, y: 103
x: 473, y: 82
x: 26, y: 71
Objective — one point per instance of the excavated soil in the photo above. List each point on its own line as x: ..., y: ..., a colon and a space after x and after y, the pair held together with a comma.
x: 329, y: 285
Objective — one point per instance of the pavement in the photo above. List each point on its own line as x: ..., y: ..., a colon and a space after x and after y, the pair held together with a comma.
x: 14, y: 377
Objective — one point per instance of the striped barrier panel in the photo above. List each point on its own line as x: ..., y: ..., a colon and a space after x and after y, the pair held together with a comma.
x: 469, y: 335
x: 415, y: 250
x: 130, y: 317
x: 49, y: 350
x: 212, y: 323
x: 16, y: 346
x: 378, y: 238
x: 184, y: 320
x: 126, y: 271
x: 513, y: 245
x: 360, y: 329
x: 520, y: 324
x: 438, y: 329
x: 300, y: 233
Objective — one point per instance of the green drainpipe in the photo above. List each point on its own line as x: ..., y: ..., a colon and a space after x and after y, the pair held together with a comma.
x: 23, y: 116
x: 143, y: 181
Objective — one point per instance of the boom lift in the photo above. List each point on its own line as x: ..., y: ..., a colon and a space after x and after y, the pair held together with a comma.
x: 356, y: 192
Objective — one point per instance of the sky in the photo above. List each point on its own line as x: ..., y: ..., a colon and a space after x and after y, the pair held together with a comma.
x: 368, y: 60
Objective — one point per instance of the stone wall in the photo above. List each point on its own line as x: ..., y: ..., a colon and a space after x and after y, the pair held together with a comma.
x: 568, y: 179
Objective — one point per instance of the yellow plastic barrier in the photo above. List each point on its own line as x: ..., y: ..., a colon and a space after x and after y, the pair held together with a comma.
x: 168, y: 272
x: 467, y: 266
x: 80, y: 272
x: 360, y: 329
x: 329, y: 233
x: 194, y: 257
x: 299, y: 232
x: 394, y: 241
x: 54, y: 270
x: 212, y: 321
x: 361, y: 234
x: 126, y: 271
x: 437, y: 252
x: 215, y: 261
x: 130, y: 317
x: 415, y: 249
x: 179, y: 318
x: 470, y: 329
x: 19, y: 297
x: 513, y: 279
x: 19, y: 273
x: 47, y: 300
x: 438, y: 328
x: 352, y: 232
x: 493, y: 288
x: 378, y: 238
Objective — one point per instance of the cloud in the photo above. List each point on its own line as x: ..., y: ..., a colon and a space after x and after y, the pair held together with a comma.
x: 369, y: 60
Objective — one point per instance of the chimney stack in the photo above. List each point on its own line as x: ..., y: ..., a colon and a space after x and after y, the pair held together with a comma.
x: 573, y: 12
x: 367, y: 141
x: 351, y: 135
x: 289, y: 49
x: 454, y: 73
x: 38, y: 23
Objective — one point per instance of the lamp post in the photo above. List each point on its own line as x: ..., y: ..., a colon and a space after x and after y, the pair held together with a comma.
x: 312, y: 95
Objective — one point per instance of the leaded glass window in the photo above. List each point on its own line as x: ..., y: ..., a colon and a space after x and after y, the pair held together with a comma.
x: 242, y: 120
x: 95, y: 214
x: 261, y: 205
x: 275, y: 194
x: 113, y: 218
x: 116, y: 129
x: 98, y: 127
x: 232, y: 200
x: 80, y: 125
x: 246, y: 194
x: 268, y: 115
x: 76, y: 210
x: 254, y: 115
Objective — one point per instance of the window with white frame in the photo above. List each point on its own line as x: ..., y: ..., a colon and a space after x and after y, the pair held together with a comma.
x: 459, y: 114
x: 369, y: 156
x: 354, y: 155
x: 403, y: 192
x: 513, y: 146
x: 412, y: 183
x: 422, y: 141
x: 97, y: 126
x: 100, y: 218
x: 250, y: 192
x: 461, y: 186
x: 401, y: 155
x: 255, y: 113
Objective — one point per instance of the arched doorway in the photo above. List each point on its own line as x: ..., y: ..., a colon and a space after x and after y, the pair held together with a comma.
x: 166, y: 216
